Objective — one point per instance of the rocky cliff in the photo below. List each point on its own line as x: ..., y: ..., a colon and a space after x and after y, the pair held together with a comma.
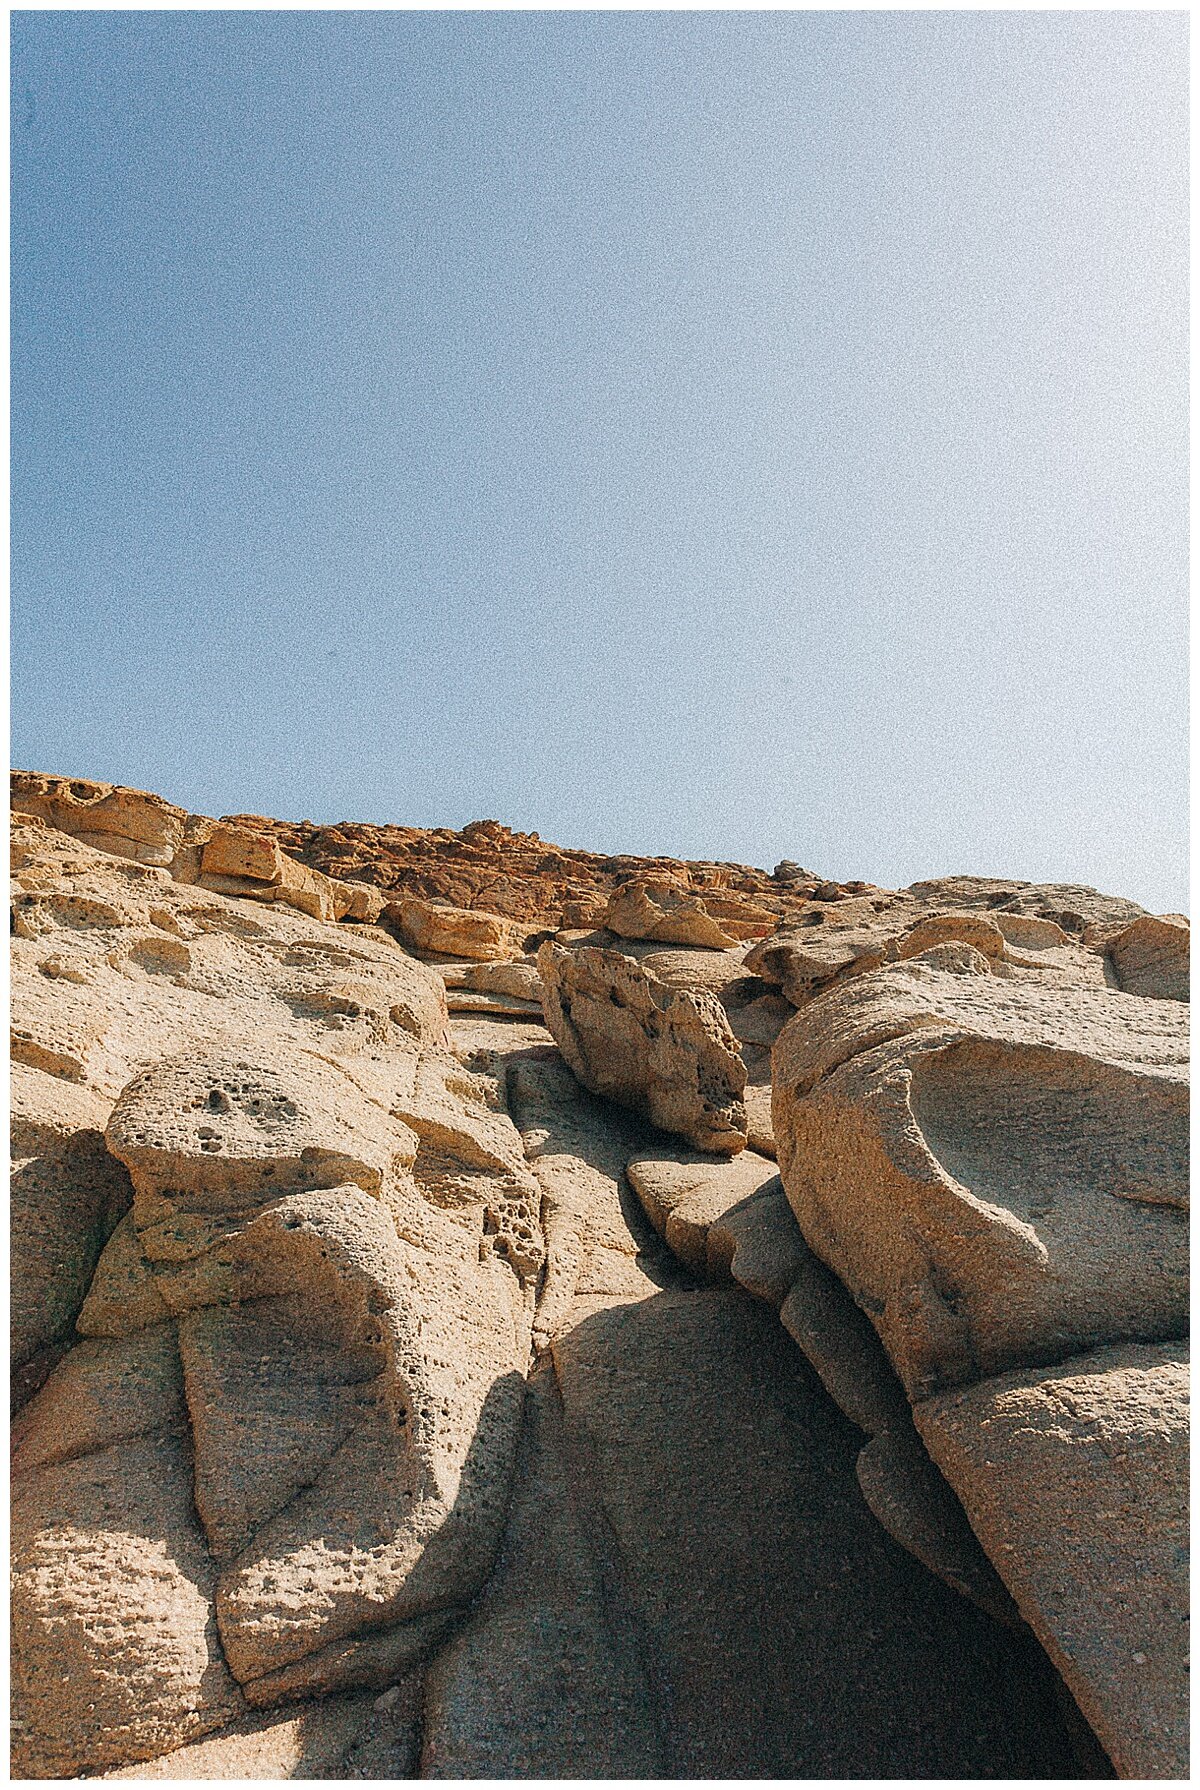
x: 482, y: 1310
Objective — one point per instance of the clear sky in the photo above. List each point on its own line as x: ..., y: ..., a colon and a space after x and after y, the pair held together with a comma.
x: 736, y: 435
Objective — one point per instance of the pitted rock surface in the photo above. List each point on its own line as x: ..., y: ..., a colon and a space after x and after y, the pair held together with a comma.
x: 424, y: 1368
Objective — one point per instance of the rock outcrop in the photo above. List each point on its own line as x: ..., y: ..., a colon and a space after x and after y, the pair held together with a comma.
x: 664, y: 1051
x: 423, y: 1367
x: 993, y: 1159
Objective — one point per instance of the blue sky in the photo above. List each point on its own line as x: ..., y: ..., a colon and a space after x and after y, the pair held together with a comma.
x: 738, y: 435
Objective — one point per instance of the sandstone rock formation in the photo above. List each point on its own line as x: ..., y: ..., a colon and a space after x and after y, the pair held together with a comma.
x: 667, y: 1052
x: 1076, y: 1478
x: 996, y: 1170
x: 995, y: 1165
x: 452, y: 931
x: 423, y: 1367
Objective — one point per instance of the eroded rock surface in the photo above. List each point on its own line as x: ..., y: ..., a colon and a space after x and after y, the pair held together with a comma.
x: 628, y: 1034
x: 995, y: 1165
x: 402, y: 1397
x: 998, y: 1173
x: 1076, y: 1476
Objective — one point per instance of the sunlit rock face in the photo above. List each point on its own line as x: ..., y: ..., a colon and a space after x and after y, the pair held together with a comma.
x: 423, y: 1365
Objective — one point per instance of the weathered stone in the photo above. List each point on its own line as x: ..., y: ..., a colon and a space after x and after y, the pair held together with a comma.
x: 518, y: 981
x: 666, y: 1052
x: 237, y: 852
x: 997, y: 1176
x: 453, y: 931
x: 709, y: 1452
x: 129, y: 822
x: 1152, y: 957
x: 547, y: 1678
x: 686, y: 1194
x: 347, y: 1736
x: 1075, y: 1478
x: 66, y: 1195
x: 664, y: 912
x: 115, y: 1649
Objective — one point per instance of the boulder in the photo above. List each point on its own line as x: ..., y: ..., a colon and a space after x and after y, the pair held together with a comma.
x: 364, y: 903
x: 453, y: 931
x: 668, y: 1053
x: 131, y: 823
x: 1075, y: 1478
x: 1152, y: 957
x: 664, y: 912
x: 817, y: 945
x: 237, y: 852
x: 518, y: 980
x: 685, y: 1194
x: 999, y: 1176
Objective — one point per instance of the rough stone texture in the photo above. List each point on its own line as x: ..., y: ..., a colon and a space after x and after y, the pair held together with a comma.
x: 129, y: 822
x: 66, y: 1195
x: 785, y: 1635
x: 686, y: 1194
x: 356, y: 1735
x: 116, y: 1654
x: 1152, y: 957
x: 998, y: 1176
x: 452, y: 931
x: 549, y: 1679
x: 490, y: 867
x: 664, y: 912
x: 232, y: 860
x: 285, y: 1468
x: 334, y: 1221
x: 518, y: 980
x: 236, y: 851
x: 1060, y: 931
x: 1076, y: 1477
x: 666, y: 1052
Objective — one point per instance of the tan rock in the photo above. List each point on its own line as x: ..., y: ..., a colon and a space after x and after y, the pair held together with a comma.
x: 700, y: 1441
x: 518, y: 980
x: 130, y: 822
x: 686, y: 1194
x: 546, y: 1678
x: 66, y: 1194
x: 115, y: 1649
x: 817, y: 945
x: 237, y: 852
x: 453, y: 931
x: 364, y: 902
x: 997, y: 1177
x: 901, y: 1485
x: 1152, y: 957
x: 758, y: 1244
x: 662, y: 911
x: 668, y: 1053
x: 1075, y: 1478
x: 347, y: 1736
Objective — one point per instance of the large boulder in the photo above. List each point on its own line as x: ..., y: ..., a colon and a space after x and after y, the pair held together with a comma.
x: 996, y: 1167
x: 997, y: 1171
x: 453, y: 931
x: 666, y: 1052
x: 1152, y: 956
x: 1075, y: 1477
x: 685, y: 1194
x: 130, y: 823
x: 663, y: 912
x: 1060, y: 930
